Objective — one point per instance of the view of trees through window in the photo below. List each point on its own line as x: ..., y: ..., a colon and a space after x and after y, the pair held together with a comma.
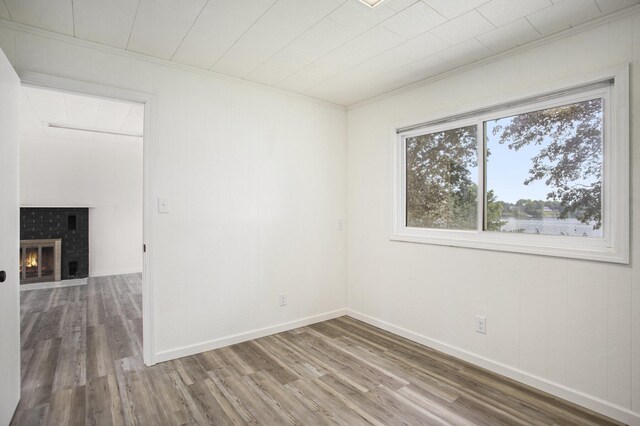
x: 544, y: 169
x: 442, y: 179
x: 543, y: 173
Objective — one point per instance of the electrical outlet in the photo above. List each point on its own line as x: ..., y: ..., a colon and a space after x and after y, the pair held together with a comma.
x: 481, y: 324
x: 340, y: 225
x: 283, y: 299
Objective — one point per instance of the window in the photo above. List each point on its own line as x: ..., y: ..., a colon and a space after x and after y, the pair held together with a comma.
x: 546, y: 173
x: 544, y: 170
x: 442, y: 185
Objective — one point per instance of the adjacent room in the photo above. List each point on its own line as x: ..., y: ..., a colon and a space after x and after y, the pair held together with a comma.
x: 320, y: 212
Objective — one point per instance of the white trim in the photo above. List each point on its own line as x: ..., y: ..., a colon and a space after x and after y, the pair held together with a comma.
x: 588, y: 401
x: 612, y: 17
x: 162, y: 62
x: 209, y: 345
x: 30, y: 78
x: 612, y: 247
x: 115, y: 272
x: 53, y: 284
x: 35, y: 206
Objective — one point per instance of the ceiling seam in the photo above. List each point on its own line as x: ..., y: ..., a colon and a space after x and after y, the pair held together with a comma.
x: 605, y: 18
x: 434, y: 54
x: 298, y: 37
x: 133, y: 23
x: 533, y: 26
x: 7, y: 7
x: 477, y: 9
x: 242, y: 35
x: 358, y: 35
x: 608, y: 17
x: 73, y: 18
x: 189, y: 30
x: 598, y: 6
x: 393, y: 47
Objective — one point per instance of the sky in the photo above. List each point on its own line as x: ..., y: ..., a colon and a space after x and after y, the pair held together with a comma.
x: 507, y: 169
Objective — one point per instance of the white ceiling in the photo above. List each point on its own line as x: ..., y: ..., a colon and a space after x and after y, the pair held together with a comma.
x: 337, y: 50
x: 40, y: 106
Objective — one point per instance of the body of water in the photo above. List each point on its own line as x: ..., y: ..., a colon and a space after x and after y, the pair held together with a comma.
x: 551, y: 226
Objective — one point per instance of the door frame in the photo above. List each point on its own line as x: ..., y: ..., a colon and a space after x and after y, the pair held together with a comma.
x: 48, y: 81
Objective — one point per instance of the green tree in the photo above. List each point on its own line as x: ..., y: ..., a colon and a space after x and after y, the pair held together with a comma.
x: 440, y: 189
x: 570, y: 161
x: 494, y: 212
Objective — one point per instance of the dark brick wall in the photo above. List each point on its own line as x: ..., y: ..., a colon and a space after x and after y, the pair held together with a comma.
x: 45, y: 223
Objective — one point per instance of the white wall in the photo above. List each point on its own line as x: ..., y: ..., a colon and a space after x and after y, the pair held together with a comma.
x: 568, y: 326
x: 256, y: 182
x: 104, y: 174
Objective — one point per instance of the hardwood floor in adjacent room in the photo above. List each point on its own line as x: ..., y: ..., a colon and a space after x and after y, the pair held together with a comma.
x: 82, y: 364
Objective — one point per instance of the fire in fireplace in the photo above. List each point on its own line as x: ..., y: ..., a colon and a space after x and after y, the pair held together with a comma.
x: 40, y: 260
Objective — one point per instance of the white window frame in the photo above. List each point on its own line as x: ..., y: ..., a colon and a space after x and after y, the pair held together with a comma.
x: 613, y: 246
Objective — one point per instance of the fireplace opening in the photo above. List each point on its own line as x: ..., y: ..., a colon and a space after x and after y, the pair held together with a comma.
x: 40, y: 260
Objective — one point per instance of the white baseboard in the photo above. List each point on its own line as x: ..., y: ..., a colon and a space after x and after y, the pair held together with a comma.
x: 243, y: 337
x: 115, y: 272
x: 53, y: 284
x: 593, y: 403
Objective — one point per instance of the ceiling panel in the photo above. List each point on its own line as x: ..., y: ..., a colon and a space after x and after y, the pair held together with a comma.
x: 53, y: 15
x: 47, y: 105
x: 563, y: 15
x: 323, y: 38
x: 337, y: 50
x: 338, y: 28
x: 219, y: 25
x: 160, y: 26
x: 607, y: 6
x: 464, y: 53
x: 399, y: 5
x: 450, y: 9
x: 105, y: 22
x: 39, y: 106
x: 422, y: 46
x: 373, y: 42
x: 414, y: 20
x: 501, y: 12
x: 463, y: 28
x: 134, y: 122
x: 359, y: 17
x: 510, y: 35
x: 4, y: 12
x: 278, y: 27
x: 112, y: 115
x: 81, y: 110
x: 427, y: 67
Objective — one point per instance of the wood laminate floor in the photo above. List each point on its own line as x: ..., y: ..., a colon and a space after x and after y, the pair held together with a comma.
x: 82, y: 364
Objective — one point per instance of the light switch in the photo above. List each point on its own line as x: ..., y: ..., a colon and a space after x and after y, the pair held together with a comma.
x: 163, y: 205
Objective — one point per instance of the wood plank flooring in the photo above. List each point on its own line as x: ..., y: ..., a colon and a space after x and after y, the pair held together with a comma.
x: 82, y: 364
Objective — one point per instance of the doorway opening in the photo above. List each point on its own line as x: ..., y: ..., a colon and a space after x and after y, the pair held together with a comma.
x: 82, y: 199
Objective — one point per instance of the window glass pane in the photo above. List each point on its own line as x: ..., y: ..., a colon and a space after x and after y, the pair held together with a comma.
x: 442, y: 179
x: 544, y: 171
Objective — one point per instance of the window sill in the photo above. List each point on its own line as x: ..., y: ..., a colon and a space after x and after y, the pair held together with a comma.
x: 596, y: 249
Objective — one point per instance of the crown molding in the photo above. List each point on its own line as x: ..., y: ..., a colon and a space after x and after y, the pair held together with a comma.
x: 614, y: 16
x: 162, y: 62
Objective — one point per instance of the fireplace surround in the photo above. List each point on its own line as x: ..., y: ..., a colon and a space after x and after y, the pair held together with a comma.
x: 70, y: 225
